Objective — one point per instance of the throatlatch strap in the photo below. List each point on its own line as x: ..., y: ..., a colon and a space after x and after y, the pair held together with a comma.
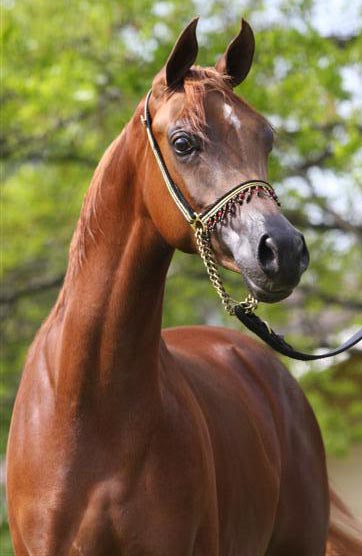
x: 277, y: 342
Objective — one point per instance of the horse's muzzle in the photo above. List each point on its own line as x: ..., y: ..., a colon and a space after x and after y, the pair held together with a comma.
x: 271, y: 254
x: 282, y: 257
x: 282, y: 253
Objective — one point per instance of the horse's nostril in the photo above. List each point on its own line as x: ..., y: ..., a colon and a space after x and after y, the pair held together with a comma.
x: 268, y: 255
x: 304, y: 259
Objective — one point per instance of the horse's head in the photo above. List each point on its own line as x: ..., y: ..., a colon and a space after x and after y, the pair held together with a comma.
x: 210, y: 141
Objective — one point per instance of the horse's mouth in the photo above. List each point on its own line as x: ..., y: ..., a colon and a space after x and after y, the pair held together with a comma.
x: 266, y: 293
x: 267, y: 296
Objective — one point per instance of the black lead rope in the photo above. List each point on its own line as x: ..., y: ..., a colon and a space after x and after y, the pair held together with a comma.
x: 277, y: 342
x: 206, y: 222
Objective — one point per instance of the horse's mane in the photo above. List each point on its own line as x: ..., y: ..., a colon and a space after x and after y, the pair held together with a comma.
x: 88, y: 224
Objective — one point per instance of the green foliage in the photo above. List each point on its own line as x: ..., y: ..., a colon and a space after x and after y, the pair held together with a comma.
x: 73, y: 75
x: 335, y: 395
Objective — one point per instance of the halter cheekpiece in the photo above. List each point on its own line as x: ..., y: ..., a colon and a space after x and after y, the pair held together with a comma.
x: 204, y: 223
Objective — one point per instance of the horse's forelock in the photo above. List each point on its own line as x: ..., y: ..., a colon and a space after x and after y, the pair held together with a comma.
x: 198, y: 81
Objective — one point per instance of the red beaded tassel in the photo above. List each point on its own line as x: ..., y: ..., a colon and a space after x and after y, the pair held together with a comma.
x: 230, y: 206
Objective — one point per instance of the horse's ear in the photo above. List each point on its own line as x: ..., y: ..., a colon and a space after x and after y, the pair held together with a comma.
x: 183, y: 55
x: 238, y: 57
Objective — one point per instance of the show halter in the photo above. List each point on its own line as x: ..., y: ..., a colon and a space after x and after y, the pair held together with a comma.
x: 204, y: 224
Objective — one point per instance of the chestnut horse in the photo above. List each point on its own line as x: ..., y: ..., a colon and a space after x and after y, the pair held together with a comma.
x: 196, y: 442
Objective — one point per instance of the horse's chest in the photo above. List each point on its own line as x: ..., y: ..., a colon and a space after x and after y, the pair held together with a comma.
x: 153, y: 499
x: 154, y: 516
x: 156, y: 504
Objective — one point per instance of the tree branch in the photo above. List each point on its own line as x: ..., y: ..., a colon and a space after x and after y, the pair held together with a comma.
x: 60, y: 158
x: 30, y: 289
x: 299, y: 219
x: 331, y: 299
x: 344, y: 224
x: 342, y: 41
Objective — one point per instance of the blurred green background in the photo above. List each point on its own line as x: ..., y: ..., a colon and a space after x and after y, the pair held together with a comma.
x: 72, y: 75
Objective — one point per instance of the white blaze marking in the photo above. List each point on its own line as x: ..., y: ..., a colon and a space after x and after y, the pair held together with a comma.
x: 230, y: 116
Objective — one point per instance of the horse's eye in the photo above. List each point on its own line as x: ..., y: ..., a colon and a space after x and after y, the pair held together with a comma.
x: 183, y: 145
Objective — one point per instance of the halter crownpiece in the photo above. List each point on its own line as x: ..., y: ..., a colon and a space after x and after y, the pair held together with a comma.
x: 204, y: 224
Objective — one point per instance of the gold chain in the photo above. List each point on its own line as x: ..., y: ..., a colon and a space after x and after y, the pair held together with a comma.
x: 204, y: 246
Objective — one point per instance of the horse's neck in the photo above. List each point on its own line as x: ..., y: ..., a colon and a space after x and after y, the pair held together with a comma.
x: 111, y: 307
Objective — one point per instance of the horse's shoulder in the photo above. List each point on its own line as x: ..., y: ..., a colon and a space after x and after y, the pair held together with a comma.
x: 219, y: 343
x: 219, y: 350
x: 188, y: 335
